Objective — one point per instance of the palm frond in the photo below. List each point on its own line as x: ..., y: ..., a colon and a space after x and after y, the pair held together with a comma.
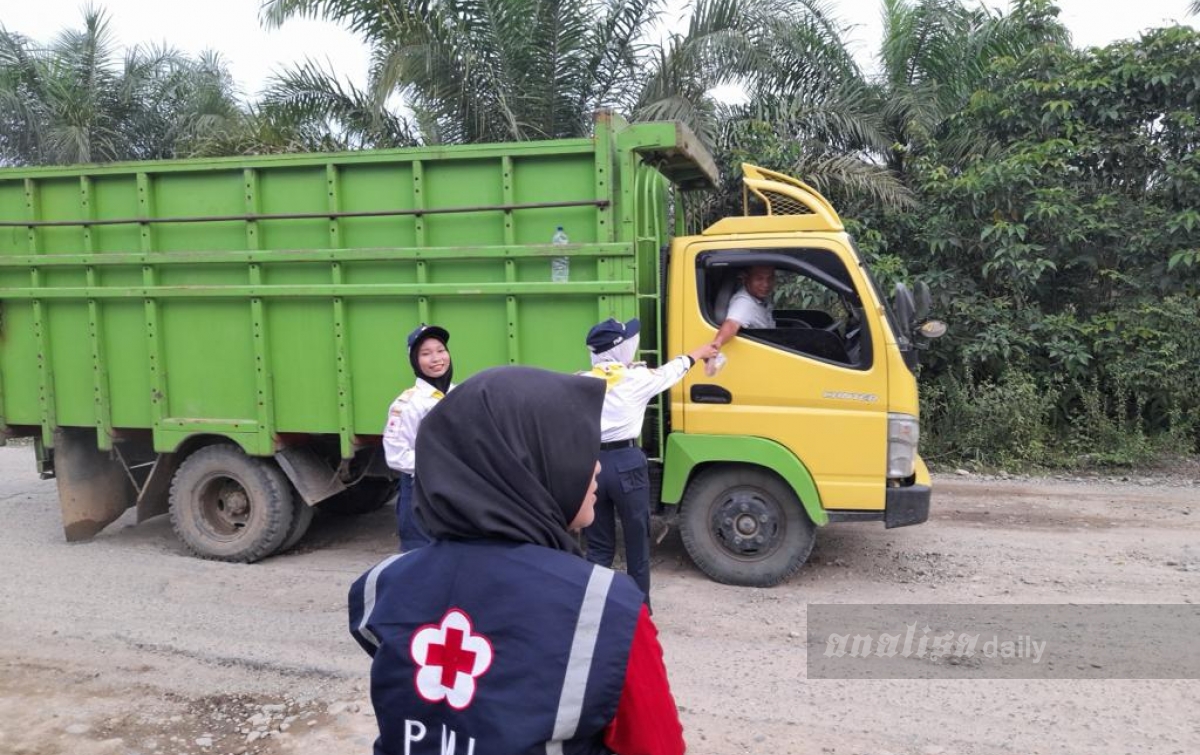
x: 618, y: 49
x: 309, y: 94
x: 852, y: 175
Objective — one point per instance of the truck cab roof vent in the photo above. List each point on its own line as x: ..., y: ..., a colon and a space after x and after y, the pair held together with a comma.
x: 791, y: 205
x: 784, y: 195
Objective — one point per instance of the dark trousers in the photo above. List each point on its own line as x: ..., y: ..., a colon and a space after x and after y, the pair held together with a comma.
x: 623, y: 490
x: 411, y: 534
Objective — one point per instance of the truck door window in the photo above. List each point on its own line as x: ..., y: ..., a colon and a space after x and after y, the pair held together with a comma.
x: 817, y: 311
x: 802, y: 300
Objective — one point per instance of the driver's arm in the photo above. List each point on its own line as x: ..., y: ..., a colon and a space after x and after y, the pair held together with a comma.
x: 728, y: 330
x: 741, y: 313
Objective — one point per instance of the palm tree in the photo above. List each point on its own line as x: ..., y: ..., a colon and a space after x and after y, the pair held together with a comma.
x: 509, y: 70
x: 809, y: 112
x: 936, y: 53
x: 178, y: 106
x: 480, y: 71
x: 77, y: 100
x: 726, y: 42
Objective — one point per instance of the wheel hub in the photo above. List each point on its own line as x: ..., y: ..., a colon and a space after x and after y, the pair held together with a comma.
x: 236, y: 503
x: 747, y: 525
x: 225, y: 506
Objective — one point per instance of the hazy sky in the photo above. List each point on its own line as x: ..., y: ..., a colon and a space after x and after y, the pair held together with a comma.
x: 232, y: 28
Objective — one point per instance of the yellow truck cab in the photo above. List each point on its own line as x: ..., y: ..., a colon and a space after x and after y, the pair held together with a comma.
x: 816, y: 416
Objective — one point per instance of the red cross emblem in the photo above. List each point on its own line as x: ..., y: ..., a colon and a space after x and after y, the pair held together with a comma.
x: 449, y: 658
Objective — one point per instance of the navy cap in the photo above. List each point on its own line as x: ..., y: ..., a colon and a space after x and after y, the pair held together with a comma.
x: 424, y: 331
x: 609, y: 333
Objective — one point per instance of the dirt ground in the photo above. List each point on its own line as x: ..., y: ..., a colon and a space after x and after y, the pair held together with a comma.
x: 127, y: 646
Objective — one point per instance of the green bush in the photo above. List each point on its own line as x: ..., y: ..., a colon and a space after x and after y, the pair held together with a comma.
x: 1016, y: 423
x: 1061, y: 251
x: 1102, y: 431
x: 990, y: 423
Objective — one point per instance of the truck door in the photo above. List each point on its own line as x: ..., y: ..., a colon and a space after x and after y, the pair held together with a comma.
x: 816, y: 383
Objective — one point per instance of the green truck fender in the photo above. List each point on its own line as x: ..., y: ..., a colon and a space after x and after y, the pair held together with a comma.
x: 686, y: 452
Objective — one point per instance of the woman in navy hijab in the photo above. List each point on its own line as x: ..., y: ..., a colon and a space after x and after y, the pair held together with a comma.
x: 499, y: 636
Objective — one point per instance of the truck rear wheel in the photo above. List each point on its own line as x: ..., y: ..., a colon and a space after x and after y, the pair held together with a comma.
x: 302, y: 516
x: 744, y: 526
x: 228, y: 506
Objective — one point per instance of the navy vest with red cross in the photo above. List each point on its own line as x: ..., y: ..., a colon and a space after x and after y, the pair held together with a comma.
x: 494, y: 648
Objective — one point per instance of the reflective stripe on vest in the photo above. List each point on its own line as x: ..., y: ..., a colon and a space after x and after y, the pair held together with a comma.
x: 579, y: 663
x: 369, y: 598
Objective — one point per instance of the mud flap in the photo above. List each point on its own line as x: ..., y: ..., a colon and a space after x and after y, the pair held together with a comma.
x: 93, y: 488
x: 313, y: 479
x: 154, y: 498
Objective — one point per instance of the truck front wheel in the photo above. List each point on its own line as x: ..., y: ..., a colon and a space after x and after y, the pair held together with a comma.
x: 228, y: 506
x: 744, y: 526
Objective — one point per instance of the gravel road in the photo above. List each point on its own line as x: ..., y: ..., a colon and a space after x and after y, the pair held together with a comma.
x: 127, y: 646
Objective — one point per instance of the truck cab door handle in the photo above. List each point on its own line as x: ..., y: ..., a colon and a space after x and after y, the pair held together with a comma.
x: 710, y: 394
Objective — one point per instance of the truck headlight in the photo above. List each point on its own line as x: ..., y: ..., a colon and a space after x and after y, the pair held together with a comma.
x: 904, y: 430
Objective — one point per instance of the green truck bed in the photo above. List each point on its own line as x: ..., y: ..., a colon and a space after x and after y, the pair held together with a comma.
x: 258, y: 297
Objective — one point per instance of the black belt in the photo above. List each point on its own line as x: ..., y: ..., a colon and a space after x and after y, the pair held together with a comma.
x: 614, y: 445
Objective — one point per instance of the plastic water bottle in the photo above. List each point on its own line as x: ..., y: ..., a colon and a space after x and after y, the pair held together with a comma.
x: 560, y: 267
x: 714, y: 365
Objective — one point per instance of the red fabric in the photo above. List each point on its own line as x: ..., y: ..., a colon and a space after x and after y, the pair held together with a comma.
x: 647, y: 722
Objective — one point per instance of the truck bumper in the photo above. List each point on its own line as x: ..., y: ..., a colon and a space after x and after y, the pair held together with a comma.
x: 905, y: 506
x: 902, y: 506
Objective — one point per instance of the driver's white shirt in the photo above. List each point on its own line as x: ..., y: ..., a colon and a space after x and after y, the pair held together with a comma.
x: 750, y: 312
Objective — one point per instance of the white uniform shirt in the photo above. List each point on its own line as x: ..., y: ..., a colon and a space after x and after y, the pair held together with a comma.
x: 630, y: 389
x: 404, y: 418
x: 749, y: 312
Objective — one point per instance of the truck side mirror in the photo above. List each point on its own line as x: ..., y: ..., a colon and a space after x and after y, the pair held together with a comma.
x: 905, y: 309
x: 932, y: 329
x: 923, y: 298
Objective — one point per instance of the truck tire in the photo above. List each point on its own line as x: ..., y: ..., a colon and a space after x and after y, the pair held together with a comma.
x: 742, y: 525
x: 228, y: 506
x: 302, y: 516
x: 370, y: 494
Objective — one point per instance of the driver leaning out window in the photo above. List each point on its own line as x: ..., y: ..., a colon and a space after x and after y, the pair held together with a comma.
x: 751, y: 306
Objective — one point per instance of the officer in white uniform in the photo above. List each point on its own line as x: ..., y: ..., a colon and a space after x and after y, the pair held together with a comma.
x: 431, y: 364
x: 751, y: 306
x: 624, y: 485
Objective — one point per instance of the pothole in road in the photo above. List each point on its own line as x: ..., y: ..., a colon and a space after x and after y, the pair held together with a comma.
x: 216, y: 725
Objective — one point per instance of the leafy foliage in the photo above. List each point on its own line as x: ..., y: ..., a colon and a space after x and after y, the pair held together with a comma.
x: 490, y: 71
x: 320, y: 112
x: 1063, y: 248
x: 78, y: 101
